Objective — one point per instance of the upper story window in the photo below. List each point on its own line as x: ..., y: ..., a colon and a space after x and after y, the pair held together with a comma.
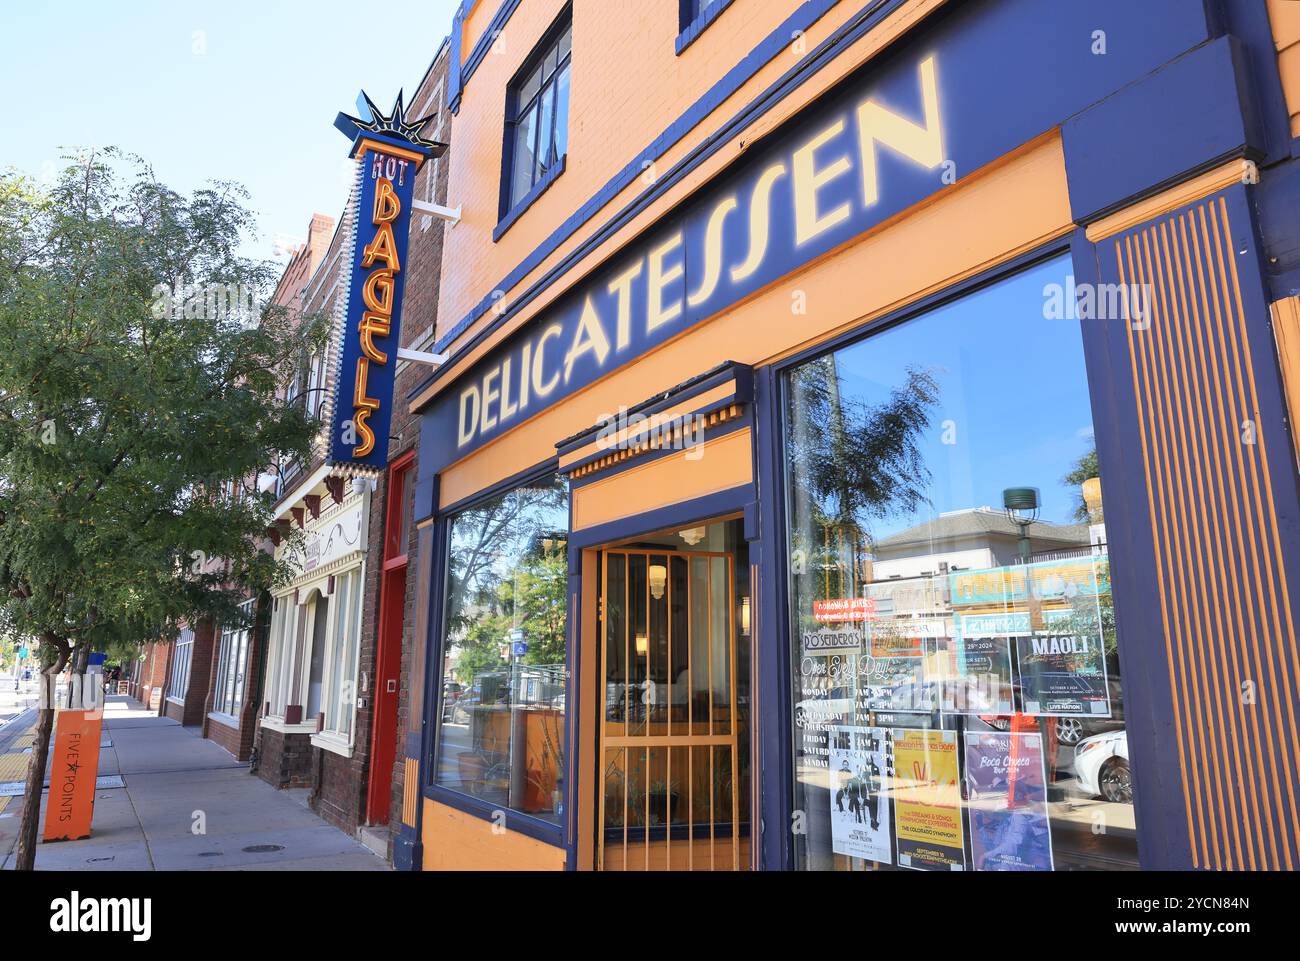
x: 688, y: 11
x: 693, y: 16
x: 537, y: 119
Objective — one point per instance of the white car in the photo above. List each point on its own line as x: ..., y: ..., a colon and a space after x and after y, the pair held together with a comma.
x: 1101, y: 767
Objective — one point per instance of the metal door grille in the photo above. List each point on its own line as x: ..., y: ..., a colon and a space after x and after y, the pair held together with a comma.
x: 669, y: 795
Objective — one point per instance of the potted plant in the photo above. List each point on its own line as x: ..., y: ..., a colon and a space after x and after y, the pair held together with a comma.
x: 663, y: 798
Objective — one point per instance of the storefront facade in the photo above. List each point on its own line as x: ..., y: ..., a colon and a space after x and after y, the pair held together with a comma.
x: 870, y: 451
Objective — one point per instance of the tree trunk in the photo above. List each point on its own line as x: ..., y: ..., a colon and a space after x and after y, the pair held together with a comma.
x: 29, y: 828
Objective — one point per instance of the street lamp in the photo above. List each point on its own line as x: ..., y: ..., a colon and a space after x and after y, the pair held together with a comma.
x: 1021, y: 507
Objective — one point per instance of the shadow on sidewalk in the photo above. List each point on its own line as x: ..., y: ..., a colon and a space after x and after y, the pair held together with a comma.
x: 187, y: 805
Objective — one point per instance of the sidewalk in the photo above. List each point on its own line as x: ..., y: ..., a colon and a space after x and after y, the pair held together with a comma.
x: 175, y: 784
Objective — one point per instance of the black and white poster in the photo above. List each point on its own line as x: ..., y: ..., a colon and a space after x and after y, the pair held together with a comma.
x: 862, y: 767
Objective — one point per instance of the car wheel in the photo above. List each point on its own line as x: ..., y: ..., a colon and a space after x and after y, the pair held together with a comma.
x: 1114, y: 781
x: 1069, y: 730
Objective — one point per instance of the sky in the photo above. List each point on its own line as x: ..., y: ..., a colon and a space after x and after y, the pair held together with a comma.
x: 1013, y: 408
x: 206, y: 90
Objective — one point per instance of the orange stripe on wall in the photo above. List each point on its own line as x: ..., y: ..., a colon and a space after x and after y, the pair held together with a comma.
x: 1216, y: 541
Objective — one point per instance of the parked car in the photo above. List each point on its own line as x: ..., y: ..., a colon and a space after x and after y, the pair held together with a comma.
x: 1101, y: 767
x: 451, y: 693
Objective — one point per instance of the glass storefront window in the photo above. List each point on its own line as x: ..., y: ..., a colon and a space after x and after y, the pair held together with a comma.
x: 957, y: 693
x: 500, y: 736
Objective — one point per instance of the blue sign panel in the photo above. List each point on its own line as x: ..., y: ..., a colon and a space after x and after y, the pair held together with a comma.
x: 389, y: 152
x: 976, y: 82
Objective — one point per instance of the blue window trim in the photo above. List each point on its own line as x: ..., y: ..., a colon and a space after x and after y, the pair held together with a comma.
x: 770, y: 551
x: 710, y: 10
x: 462, y: 70
x: 539, y: 188
x: 517, y: 821
x: 508, y: 214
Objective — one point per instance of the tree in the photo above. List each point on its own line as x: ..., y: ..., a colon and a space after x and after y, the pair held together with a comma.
x: 1085, y: 468
x: 138, y: 407
x: 852, y: 461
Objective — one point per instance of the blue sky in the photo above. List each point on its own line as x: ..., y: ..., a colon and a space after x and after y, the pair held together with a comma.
x: 230, y: 90
x: 1011, y: 382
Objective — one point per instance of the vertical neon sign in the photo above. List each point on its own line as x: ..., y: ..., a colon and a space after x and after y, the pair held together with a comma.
x: 389, y: 152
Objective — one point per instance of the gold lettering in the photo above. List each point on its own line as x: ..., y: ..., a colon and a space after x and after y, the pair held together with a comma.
x: 466, y: 428
x: 382, y: 248
x: 588, y: 338
x: 387, y: 206
x: 923, y: 144
x: 377, y: 292
x: 808, y: 179
x: 490, y: 393
x: 713, y: 251
x: 622, y: 286
x: 658, y: 313
x: 759, y: 219
x: 543, y: 388
x: 364, y: 432
x: 371, y: 326
x: 359, y: 398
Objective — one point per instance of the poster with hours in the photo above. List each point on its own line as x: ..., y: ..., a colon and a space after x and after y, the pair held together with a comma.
x: 1006, y: 791
x: 861, y: 764
x: 927, y: 801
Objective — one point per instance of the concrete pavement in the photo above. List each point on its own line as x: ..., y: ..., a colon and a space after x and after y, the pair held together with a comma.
x: 187, y: 805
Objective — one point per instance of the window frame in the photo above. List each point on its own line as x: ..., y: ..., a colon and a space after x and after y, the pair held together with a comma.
x: 180, y: 671
x: 236, y: 640
x: 694, y: 17
x: 511, y: 208
x: 283, y: 654
x: 331, y: 684
x: 519, y: 822
x: 777, y: 799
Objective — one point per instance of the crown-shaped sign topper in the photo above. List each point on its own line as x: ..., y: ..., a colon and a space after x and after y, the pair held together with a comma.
x: 394, y: 127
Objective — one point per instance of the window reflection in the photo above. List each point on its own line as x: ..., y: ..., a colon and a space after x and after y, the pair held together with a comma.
x: 502, y: 711
x: 957, y: 695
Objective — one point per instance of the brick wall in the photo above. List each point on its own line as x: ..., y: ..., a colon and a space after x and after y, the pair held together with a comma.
x: 284, y: 760
x: 193, y: 706
x: 421, y: 306
x: 153, y: 671
x: 238, y: 738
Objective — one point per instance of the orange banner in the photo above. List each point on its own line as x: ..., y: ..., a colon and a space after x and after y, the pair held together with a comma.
x: 74, y: 764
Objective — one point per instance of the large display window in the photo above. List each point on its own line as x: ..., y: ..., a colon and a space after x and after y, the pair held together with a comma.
x: 500, y: 734
x: 957, y: 695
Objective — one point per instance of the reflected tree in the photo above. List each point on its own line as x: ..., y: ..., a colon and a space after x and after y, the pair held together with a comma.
x: 853, y: 461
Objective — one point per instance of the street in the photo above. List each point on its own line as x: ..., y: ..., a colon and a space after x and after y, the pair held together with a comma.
x: 184, y: 805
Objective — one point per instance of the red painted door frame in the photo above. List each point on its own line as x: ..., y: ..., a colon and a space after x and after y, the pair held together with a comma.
x: 388, y: 663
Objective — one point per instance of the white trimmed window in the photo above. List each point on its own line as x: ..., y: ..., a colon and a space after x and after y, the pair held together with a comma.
x: 178, y: 681
x: 228, y: 694
x: 314, y: 654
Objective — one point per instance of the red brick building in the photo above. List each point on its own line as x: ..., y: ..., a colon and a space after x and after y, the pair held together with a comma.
x: 333, y: 702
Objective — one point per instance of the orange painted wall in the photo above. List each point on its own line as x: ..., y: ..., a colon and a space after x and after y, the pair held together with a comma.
x: 1285, y: 18
x: 456, y: 841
